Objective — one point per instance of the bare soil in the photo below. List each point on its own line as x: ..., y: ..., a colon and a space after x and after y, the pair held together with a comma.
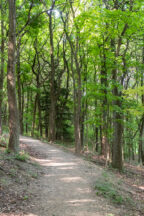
x: 62, y: 184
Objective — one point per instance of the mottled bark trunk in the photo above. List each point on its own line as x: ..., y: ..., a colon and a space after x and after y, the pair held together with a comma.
x: 46, y: 123
x: 34, y: 115
x: 52, y: 114
x: 40, y: 118
x: 104, y: 102
x: 76, y: 74
x: 117, y: 142
x: 5, y: 116
x: 27, y: 111
x: 141, y: 141
x: 97, y: 141
x: 22, y: 109
x: 19, y: 87
x: 2, y: 66
x: 118, y: 129
x: 12, y: 101
x: 77, y: 132
x: 82, y: 130
x: 77, y: 102
x: 117, y: 158
x: 141, y: 134
x: 142, y: 125
x: 79, y: 123
x: 105, y: 150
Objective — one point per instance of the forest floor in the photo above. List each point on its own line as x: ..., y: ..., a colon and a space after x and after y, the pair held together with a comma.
x: 55, y: 182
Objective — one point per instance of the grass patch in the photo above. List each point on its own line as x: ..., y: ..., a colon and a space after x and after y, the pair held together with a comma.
x: 22, y: 156
x: 111, y: 188
x: 65, y: 144
x: 106, y: 190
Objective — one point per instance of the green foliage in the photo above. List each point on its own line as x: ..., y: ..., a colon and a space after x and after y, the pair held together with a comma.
x: 100, y: 44
x: 22, y: 156
x: 4, y: 140
x: 106, y: 190
x: 25, y: 197
x: 111, y: 188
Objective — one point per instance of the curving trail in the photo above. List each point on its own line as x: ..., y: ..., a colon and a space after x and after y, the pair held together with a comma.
x: 67, y: 186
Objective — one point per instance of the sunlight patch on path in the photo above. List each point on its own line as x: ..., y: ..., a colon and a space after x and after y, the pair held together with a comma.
x: 51, y: 163
x: 80, y: 201
x: 72, y: 179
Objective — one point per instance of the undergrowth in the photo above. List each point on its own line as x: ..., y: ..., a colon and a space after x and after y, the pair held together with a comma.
x: 111, y: 189
x: 22, y: 156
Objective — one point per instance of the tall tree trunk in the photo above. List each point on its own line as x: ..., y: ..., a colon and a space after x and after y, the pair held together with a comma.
x: 19, y: 86
x: 5, y: 117
x: 82, y: 124
x: 105, y: 144
x: 77, y: 103
x: 117, y: 119
x: 141, y: 141
x: 96, y: 127
x: 118, y: 129
x: 34, y: 115
x: 76, y: 74
x: 104, y: 103
x: 2, y: 65
x: 12, y: 101
x: 27, y: 111
x: 117, y: 161
x: 52, y: 115
x: 22, y: 108
x: 40, y: 118
x: 97, y: 141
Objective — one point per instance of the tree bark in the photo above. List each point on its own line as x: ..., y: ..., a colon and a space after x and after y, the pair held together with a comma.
x: 77, y: 107
x: 19, y: 86
x: 34, y: 115
x: 2, y: 66
x: 141, y: 141
x: 52, y: 114
x: 12, y: 101
x: 142, y: 121
x: 104, y: 103
x: 27, y: 111
x: 117, y: 121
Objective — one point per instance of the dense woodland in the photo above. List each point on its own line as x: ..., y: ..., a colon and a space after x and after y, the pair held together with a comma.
x: 73, y: 70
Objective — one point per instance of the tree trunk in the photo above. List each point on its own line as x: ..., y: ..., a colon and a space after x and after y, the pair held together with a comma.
x: 19, y: 87
x: 117, y: 161
x: 40, y: 118
x: 34, y: 115
x: 77, y: 104
x: 141, y: 138
x: 27, y: 111
x: 118, y: 130
x: 52, y: 114
x: 2, y: 66
x: 142, y: 124
x: 97, y: 141
x: 13, y: 110
x: 141, y: 141
x: 104, y: 103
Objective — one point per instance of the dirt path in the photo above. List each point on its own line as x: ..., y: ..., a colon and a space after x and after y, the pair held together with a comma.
x: 67, y: 187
